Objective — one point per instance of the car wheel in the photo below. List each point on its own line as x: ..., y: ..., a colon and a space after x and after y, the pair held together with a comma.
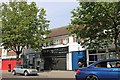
x: 14, y: 72
x: 25, y: 73
x: 92, y: 77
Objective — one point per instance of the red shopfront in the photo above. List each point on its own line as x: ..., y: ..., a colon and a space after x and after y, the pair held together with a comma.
x: 9, y: 62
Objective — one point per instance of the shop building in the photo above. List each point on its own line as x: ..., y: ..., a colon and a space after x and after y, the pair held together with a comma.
x: 64, y: 51
x: 58, y: 55
x: 32, y: 59
x: 8, y: 59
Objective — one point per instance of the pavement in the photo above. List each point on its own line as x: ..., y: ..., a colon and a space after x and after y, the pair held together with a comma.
x: 49, y: 75
x: 58, y: 74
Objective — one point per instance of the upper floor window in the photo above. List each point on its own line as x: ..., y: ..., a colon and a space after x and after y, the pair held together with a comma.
x: 65, y: 40
x: 57, y: 41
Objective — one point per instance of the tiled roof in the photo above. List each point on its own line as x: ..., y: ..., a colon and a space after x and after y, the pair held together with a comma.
x: 11, y: 53
x: 58, y: 32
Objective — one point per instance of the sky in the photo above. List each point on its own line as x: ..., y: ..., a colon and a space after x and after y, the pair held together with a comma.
x: 58, y: 11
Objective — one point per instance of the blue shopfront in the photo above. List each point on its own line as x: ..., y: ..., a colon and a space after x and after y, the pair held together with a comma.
x: 76, y: 56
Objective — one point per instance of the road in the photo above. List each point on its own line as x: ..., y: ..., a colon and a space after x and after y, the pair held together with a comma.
x: 46, y: 75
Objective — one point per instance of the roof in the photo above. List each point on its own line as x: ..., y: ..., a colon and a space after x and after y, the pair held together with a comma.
x: 11, y: 53
x: 58, y: 32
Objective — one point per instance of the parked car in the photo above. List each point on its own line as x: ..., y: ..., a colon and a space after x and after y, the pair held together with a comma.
x: 100, y: 70
x: 21, y: 70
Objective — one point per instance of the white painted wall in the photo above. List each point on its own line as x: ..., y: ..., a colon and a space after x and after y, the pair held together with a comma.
x: 73, y: 46
x: 70, y: 39
x: 67, y: 60
x: 70, y: 61
x: 4, y: 54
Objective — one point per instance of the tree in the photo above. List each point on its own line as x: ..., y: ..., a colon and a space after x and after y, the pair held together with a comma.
x: 98, y: 23
x: 23, y: 25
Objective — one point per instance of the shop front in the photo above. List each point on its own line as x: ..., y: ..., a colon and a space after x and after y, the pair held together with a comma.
x: 33, y: 60
x: 55, y: 58
x: 96, y: 55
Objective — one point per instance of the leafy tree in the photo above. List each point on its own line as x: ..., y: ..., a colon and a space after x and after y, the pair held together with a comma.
x: 97, y: 23
x: 23, y: 25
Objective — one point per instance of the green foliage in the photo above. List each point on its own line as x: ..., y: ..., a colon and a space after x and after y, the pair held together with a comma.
x: 98, y: 23
x: 23, y: 25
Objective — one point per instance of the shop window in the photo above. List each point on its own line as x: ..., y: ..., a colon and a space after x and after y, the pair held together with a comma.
x: 112, y: 55
x: 93, y: 57
x: 101, y: 56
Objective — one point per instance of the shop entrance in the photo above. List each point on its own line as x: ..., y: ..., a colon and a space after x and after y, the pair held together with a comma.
x: 55, y: 58
x: 55, y: 63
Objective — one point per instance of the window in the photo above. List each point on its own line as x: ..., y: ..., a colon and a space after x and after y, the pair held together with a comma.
x: 113, y: 64
x: 57, y: 41
x: 108, y: 64
x: 65, y: 40
x: 102, y: 64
